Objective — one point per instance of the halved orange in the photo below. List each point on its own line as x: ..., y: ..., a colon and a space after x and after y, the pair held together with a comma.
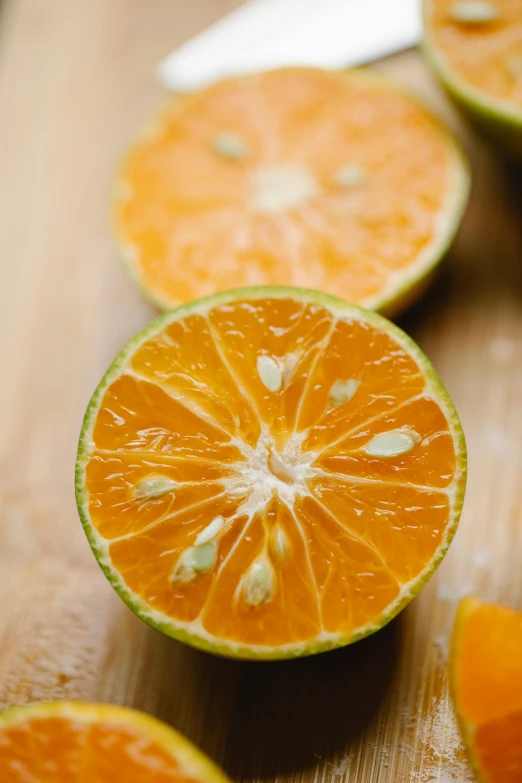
x: 334, y: 181
x: 486, y: 678
x: 475, y: 49
x: 63, y: 742
x: 270, y: 472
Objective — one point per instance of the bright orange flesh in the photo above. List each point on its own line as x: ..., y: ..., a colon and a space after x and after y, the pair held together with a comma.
x: 343, y: 534
x: 487, y: 686
x: 193, y: 221
x: 486, y: 56
x: 76, y: 743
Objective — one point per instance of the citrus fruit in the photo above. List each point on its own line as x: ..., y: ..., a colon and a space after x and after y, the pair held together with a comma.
x: 334, y: 181
x: 270, y: 472
x: 71, y: 741
x: 486, y: 678
x: 475, y: 48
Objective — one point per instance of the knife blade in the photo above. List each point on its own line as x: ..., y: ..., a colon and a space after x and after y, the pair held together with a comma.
x: 265, y: 34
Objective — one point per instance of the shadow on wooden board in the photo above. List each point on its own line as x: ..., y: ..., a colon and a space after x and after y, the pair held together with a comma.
x: 261, y: 719
x: 482, y: 270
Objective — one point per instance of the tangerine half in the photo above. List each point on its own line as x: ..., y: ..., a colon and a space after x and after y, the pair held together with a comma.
x: 270, y: 472
x: 339, y: 182
x: 474, y: 48
x: 63, y: 742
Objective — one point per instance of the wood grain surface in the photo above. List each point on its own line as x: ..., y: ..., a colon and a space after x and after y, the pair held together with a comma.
x: 76, y: 79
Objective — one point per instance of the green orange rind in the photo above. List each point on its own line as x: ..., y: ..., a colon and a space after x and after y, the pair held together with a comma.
x: 193, y: 762
x: 182, y: 632
x: 408, y: 287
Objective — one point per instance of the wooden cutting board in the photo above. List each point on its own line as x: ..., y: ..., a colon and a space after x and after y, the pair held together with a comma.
x: 76, y: 79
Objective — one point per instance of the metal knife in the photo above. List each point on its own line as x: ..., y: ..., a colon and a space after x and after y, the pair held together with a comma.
x: 265, y: 34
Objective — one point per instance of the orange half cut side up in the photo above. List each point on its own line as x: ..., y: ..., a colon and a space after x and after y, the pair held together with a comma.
x: 270, y: 472
x: 474, y: 49
x: 480, y: 42
x: 338, y: 182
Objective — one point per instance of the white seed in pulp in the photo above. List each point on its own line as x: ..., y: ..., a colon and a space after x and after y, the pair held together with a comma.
x: 342, y: 391
x: 270, y: 372
x: 184, y: 571
x: 392, y: 444
x: 229, y: 145
x: 205, y: 556
x: 210, y: 531
x: 154, y: 487
x: 258, y: 583
x: 279, y: 542
x: 473, y: 12
x: 350, y: 176
x: 194, y: 561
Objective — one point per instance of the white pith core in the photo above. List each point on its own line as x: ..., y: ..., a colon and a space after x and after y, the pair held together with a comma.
x: 264, y: 474
x: 267, y: 472
x: 275, y: 188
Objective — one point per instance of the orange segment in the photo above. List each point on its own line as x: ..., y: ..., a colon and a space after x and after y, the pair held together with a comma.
x: 129, y: 493
x: 351, y: 354
x: 331, y: 181
x: 292, y: 614
x: 486, y: 674
x: 140, y: 416
x: 286, y: 485
x: 480, y: 42
x: 184, y: 358
x: 352, y: 582
x: 410, y: 522
x: 292, y: 332
x: 431, y: 463
x: 147, y: 560
x: 71, y: 741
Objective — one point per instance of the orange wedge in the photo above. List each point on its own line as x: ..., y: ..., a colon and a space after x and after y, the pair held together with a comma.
x: 65, y: 742
x: 486, y: 677
x: 475, y: 49
x: 334, y: 181
x: 270, y: 472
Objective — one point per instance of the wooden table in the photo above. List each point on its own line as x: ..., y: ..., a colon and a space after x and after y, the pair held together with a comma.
x: 76, y: 79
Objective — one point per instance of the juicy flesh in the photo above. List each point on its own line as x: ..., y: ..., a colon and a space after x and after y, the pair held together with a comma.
x: 487, y: 56
x: 64, y: 750
x: 488, y: 687
x: 315, y: 536
x: 196, y: 222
